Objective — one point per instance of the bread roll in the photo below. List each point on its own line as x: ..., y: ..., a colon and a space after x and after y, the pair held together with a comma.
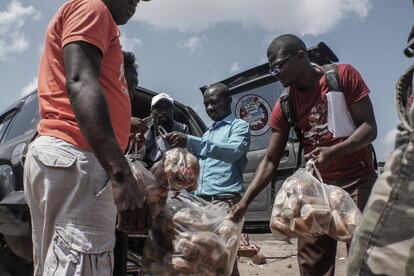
x: 212, y: 250
x: 181, y: 169
x: 352, y: 219
x: 227, y: 229
x: 290, y: 185
x: 181, y: 265
x: 281, y: 225
x: 293, y: 204
x: 314, y: 220
x: 287, y: 213
x: 187, y: 249
x: 336, y: 197
x: 339, y: 229
x: 188, y: 219
x: 280, y: 198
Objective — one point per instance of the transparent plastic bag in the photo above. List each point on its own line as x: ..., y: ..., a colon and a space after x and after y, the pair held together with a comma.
x: 149, y: 181
x: 304, y: 206
x: 345, y: 214
x: 179, y: 169
x: 191, y: 237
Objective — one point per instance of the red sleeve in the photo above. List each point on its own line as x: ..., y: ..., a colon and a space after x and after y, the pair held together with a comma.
x: 88, y: 21
x: 352, y: 83
x: 278, y: 120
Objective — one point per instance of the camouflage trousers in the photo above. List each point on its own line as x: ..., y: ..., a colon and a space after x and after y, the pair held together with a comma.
x: 384, y: 241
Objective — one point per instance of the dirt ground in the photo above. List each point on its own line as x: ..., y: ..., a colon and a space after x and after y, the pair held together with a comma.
x: 281, y: 258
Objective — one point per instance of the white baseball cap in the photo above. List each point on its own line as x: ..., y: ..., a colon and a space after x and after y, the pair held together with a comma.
x: 161, y: 96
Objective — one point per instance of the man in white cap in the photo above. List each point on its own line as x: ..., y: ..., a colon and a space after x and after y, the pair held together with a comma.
x: 162, y: 111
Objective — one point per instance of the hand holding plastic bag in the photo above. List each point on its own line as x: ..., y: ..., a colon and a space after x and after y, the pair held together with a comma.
x: 179, y: 169
x: 140, y: 219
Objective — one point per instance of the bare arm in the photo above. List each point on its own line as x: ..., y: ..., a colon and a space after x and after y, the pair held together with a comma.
x: 265, y: 172
x: 82, y: 66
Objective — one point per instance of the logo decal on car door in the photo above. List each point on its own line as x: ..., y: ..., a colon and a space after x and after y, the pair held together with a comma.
x: 256, y: 111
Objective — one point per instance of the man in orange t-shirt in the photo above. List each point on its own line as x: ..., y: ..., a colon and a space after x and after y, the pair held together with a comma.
x: 84, y: 129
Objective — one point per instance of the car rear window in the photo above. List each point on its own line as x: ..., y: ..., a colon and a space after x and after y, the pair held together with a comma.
x: 5, y: 121
x: 26, y: 119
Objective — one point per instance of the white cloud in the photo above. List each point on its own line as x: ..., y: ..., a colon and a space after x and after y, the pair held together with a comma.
x: 235, y: 67
x: 192, y: 43
x: 130, y: 44
x: 12, y: 20
x: 29, y: 87
x: 280, y: 16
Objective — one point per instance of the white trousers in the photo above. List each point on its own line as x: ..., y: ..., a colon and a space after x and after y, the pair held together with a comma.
x: 72, y: 210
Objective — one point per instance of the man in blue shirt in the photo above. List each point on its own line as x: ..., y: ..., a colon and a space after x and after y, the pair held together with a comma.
x: 221, y: 151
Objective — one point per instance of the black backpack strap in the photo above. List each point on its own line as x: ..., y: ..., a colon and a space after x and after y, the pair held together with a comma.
x: 287, y: 108
x: 290, y: 115
x: 331, y: 74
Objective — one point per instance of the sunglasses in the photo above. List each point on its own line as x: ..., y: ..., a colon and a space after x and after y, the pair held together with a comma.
x: 275, y: 70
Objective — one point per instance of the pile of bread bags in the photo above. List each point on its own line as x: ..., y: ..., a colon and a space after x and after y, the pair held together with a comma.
x: 189, y: 236
x: 304, y: 206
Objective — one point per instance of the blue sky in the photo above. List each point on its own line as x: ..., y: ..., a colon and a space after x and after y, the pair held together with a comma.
x: 184, y: 44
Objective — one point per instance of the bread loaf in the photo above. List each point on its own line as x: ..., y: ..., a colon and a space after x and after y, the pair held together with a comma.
x: 282, y: 225
x: 181, y: 265
x: 227, y: 229
x: 212, y: 251
x: 314, y: 220
x: 289, y: 186
x: 336, y: 197
x: 181, y: 169
x: 187, y: 249
x: 280, y: 198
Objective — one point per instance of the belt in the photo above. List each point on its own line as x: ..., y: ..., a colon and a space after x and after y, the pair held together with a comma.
x: 227, y: 196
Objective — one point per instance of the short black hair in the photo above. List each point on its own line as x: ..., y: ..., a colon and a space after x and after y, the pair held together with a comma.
x: 221, y: 87
x: 129, y: 60
x: 286, y: 44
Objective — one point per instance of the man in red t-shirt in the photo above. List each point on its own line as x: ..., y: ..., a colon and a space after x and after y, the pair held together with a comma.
x: 76, y: 176
x: 346, y: 162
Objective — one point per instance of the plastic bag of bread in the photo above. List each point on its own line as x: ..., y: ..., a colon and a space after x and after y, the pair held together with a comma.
x: 304, y: 206
x: 150, y: 182
x: 179, y: 169
x: 191, y: 237
x: 345, y: 214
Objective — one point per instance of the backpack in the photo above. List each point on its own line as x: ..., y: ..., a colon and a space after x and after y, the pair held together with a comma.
x: 331, y: 74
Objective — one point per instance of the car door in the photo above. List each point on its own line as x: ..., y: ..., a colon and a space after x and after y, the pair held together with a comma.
x: 255, y: 106
x: 18, y: 128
